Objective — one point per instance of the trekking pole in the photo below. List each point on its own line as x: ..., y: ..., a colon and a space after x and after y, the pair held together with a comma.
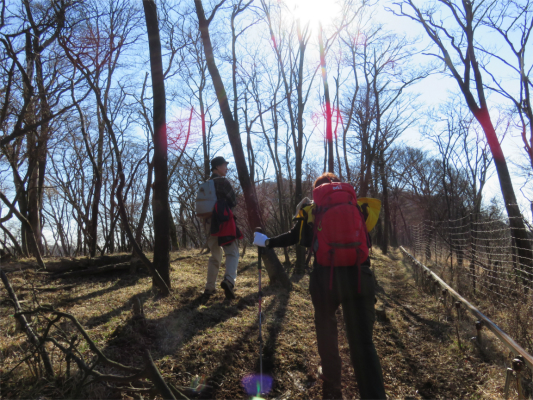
x: 260, y: 318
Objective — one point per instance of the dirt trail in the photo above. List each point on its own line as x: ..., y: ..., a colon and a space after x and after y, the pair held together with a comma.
x: 208, y: 348
x: 418, y: 342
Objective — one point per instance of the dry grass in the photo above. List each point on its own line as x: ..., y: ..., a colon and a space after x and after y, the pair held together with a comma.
x: 213, y: 345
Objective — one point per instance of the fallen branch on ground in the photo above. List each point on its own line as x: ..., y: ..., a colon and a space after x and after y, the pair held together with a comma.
x: 99, y: 270
x: 52, y: 318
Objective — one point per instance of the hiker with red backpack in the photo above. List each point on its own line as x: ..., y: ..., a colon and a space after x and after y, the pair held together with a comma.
x: 221, y: 230
x: 334, y: 227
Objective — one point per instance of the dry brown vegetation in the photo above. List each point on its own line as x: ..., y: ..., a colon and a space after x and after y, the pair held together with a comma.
x: 206, y: 348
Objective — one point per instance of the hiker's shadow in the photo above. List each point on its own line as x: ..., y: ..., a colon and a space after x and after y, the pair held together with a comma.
x: 198, y: 315
x: 276, y: 312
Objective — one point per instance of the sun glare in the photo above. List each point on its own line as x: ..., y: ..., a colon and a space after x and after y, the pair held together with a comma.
x: 314, y: 11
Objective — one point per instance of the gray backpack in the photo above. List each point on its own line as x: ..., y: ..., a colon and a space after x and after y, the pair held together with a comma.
x: 206, y: 199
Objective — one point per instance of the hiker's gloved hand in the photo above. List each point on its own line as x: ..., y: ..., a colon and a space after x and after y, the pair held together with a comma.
x: 259, y: 239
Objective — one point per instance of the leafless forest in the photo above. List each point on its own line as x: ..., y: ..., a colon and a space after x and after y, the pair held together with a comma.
x: 111, y: 110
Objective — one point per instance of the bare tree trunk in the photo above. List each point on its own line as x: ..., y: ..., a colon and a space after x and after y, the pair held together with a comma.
x: 30, y: 332
x: 173, y: 232
x: 22, y: 204
x: 33, y: 215
x: 28, y: 208
x: 386, y: 208
x: 42, y: 149
x: 92, y: 228
x: 272, y: 145
x: 16, y: 244
x: 38, y: 138
x: 470, y: 82
x: 112, y: 216
x: 298, y: 193
x: 146, y: 202
x: 157, y: 279
x: 97, y: 172
x: 249, y: 145
x: 182, y: 224
x: 272, y: 264
x: 516, y: 222
x: 329, y: 133
x: 205, y: 142
x: 299, y: 145
x: 29, y: 230
x: 160, y: 205
x: 296, y: 126
x: 337, y: 126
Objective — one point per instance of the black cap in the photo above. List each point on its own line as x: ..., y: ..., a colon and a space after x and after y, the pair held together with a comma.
x: 217, y: 161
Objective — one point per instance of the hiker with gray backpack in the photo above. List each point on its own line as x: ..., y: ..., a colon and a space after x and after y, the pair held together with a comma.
x: 214, y: 203
x: 335, y: 226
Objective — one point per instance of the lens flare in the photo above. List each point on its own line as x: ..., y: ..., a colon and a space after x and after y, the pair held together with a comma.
x: 256, y: 385
x: 198, y: 383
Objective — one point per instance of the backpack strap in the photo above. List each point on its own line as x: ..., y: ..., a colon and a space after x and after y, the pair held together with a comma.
x: 316, y: 211
x: 345, y: 245
x: 310, y: 251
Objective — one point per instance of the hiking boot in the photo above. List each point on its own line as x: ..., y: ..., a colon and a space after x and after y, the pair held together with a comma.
x: 228, y: 289
x: 331, y: 391
x: 209, y: 293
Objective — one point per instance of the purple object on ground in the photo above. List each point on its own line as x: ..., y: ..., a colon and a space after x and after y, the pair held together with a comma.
x: 253, y: 384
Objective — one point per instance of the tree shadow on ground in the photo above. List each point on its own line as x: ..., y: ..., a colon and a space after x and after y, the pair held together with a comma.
x: 428, y: 386
x: 125, y: 279
x: 415, y: 376
x: 104, y: 318
x: 429, y: 382
x: 269, y: 351
x: 436, y: 328
x: 277, y: 311
x: 297, y: 277
x: 196, y: 316
x: 246, y: 267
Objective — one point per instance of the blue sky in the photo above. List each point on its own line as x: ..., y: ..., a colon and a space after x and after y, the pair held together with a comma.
x: 436, y: 89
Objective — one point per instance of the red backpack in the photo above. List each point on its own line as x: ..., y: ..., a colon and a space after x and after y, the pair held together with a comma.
x: 341, y: 237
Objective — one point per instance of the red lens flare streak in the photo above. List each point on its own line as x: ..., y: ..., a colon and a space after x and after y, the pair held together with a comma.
x: 183, y: 131
x: 319, y: 119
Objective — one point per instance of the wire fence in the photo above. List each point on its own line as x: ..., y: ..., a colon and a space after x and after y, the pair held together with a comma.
x: 478, y: 257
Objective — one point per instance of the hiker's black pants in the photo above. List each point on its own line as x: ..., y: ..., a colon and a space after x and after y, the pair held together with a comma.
x: 359, y: 317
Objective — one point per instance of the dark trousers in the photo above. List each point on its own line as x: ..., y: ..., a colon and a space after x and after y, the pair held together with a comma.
x: 359, y: 317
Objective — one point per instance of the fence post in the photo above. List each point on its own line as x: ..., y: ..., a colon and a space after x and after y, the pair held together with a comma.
x: 516, y: 371
x: 479, y: 325
x: 507, y: 383
x: 518, y: 366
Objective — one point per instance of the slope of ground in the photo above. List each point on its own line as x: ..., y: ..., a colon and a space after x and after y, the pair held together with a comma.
x: 210, y: 348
